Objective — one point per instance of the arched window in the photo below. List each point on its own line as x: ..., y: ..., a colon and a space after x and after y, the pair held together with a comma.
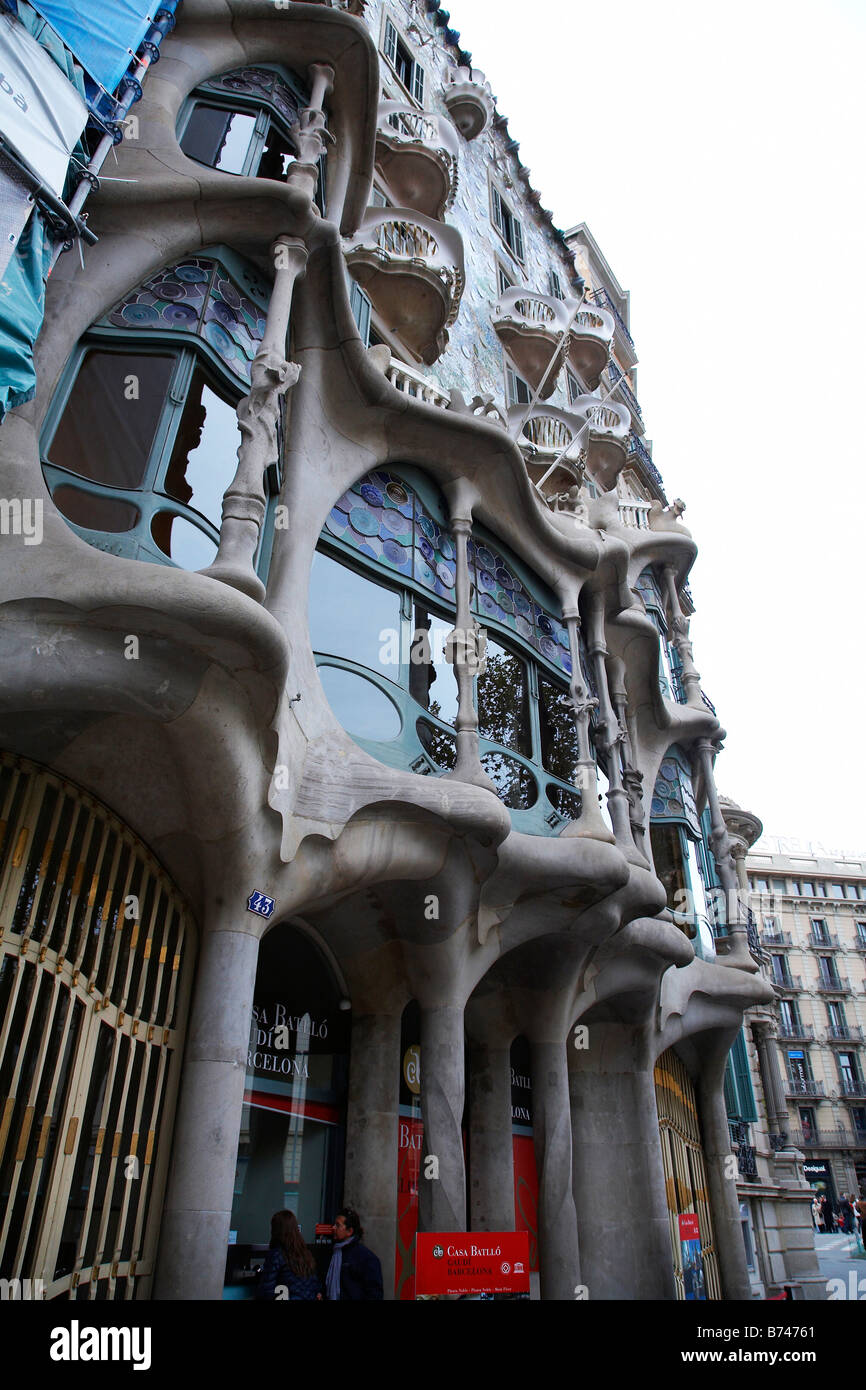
x: 381, y: 606
x: 141, y: 439
x: 243, y: 121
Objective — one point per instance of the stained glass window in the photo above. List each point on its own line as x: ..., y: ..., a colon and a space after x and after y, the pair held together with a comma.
x: 673, y: 796
x: 201, y: 297
x: 499, y: 595
x: 381, y: 517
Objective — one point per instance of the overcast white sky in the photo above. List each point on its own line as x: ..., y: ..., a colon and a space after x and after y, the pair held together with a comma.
x: 717, y: 155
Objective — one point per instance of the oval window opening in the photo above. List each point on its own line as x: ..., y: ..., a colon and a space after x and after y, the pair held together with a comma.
x: 361, y: 707
x: 514, y: 783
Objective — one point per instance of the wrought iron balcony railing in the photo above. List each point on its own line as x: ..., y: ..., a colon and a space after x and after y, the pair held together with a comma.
x: 844, y: 1032
x: 833, y: 985
x: 620, y: 382
x: 803, y: 1086
x: 601, y: 296
x: 839, y: 1138
x: 796, y: 1031
x: 852, y: 1087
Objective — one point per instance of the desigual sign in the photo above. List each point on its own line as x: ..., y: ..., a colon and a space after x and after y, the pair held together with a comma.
x: 472, y: 1262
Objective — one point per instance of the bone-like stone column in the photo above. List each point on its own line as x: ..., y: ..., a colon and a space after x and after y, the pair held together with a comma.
x: 591, y: 823
x: 442, y: 1199
x: 491, y: 1193
x: 739, y: 955
x: 244, y: 503
x: 466, y: 645
x: 371, y: 1134
x: 631, y: 777
x: 771, y: 1078
x: 691, y: 676
x: 559, y: 1257
x: 724, y: 1202
x: 622, y: 1215
x: 195, y: 1222
x: 614, y: 732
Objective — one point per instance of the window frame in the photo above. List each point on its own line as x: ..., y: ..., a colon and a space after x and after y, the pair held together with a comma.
x: 393, y: 39
x: 394, y: 752
x: 507, y: 224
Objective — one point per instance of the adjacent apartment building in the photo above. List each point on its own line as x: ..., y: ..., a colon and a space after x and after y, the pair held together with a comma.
x: 811, y: 905
x: 359, y: 833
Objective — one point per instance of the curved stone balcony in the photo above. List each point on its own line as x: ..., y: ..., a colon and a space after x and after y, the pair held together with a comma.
x: 592, y: 432
x: 533, y: 329
x: 469, y: 100
x: 411, y: 266
x: 589, y: 345
x: 417, y: 152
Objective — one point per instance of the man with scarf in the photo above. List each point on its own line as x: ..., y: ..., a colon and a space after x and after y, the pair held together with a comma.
x: 354, y: 1273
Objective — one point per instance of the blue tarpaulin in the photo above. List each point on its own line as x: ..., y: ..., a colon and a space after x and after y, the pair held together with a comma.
x: 103, y: 34
x: 22, y: 304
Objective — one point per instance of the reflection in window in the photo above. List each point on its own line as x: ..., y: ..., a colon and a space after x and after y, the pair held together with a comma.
x: 111, y: 417
x: 218, y: 138
x: 439, y: 745
x: 503, y: 701
x: 354, y: 618
x: 431, y: 678
x: 361, y: 707
x: 559, y: 748
x: 514, y: 783
x: 94, y: 512
x: 668, y: 860
x: 204, y: 457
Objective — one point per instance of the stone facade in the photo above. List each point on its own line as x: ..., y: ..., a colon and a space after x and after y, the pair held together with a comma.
x: 491, y: 852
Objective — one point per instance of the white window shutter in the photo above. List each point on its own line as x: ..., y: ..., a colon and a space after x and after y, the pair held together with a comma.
x: 497, y: 210
x: 418, y: 83
x: 518, y: 238
x: 390, y: 42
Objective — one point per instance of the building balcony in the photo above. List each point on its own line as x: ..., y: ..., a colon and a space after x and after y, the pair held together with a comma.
x: 801, y: 1086
x: 829, y: 943
x: 604, y: 299
x: 467, y: 95
x: 776, y: 938
x: 636, y: 514
x: 789, y: 984
x: 836, y: 986
x: 795, y: 1032
x: 639, y: 457
x: 417, y: 153
x: 852, y: 1088
x: 844, y: 1033
x: 621, y: 387
x: 411, y: 266
x: 839, y: 1138
x: 412, y: 383
x: 592, y: 431
x: 533, y: 329
x: 589, y: 344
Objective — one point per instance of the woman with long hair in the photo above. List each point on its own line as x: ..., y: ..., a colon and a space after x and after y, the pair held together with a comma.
x: 289, y: 1271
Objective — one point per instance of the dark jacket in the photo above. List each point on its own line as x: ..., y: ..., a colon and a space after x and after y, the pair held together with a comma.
x: 360, y: 1274
x: 276, y: 1274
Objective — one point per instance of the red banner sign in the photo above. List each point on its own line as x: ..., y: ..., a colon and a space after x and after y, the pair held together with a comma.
x: 689, y: 1227
x: 472, y: 1262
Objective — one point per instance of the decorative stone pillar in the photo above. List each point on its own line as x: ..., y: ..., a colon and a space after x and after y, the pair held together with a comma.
x: 614, y: 732
x: 559, y: 1257
x: 244, y: 503
x: 739, y: 955
x: 622, y: 1215
x: 491, y: 1194
x: 311, y: 134
x: 632, y: 779
x: 197, y: 1213
x: 465, y: 646
x: 442, y: 1198
x: 591, y: 823
x: 679, y: 624
x: 724, y: 1201
x: 372, y: 1134
x: 771, y: 1079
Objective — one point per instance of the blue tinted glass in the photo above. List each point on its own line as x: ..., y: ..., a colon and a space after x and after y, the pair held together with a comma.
x: 354, y: 618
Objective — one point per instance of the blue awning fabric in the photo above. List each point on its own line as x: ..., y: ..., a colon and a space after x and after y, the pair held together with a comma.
x: 103, y: 34
x: 22, y: 305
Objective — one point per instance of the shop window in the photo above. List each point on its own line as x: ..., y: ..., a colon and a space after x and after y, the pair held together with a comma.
x: 141, y: 439
x: 243, y: 122
x: 506, y: 224
x: 410, y: 73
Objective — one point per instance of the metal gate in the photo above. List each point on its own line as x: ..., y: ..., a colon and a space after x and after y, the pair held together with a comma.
x: 95, y: 958
x: 685, y: 1172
